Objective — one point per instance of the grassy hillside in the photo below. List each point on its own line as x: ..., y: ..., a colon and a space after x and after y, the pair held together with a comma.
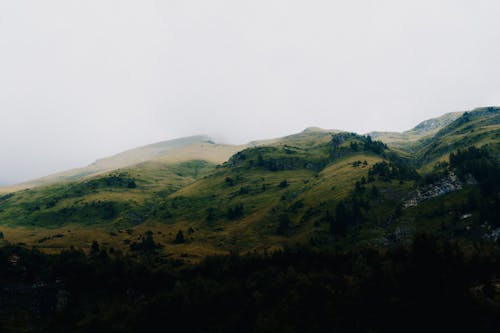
x: 426, y: 128
x: 262, y: 197
x: 61, y: 215
x: 476, y: 128
x: 172, y: 151
x: 316, y: 187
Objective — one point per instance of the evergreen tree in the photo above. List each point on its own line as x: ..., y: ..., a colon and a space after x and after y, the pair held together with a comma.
x: 179, y: 238
x: 94, y: 249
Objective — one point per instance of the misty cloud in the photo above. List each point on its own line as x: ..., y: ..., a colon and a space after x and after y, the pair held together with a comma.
x: 81, y: 80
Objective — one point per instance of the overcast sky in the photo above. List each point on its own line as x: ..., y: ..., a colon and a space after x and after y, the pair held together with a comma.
x: 80, y: 80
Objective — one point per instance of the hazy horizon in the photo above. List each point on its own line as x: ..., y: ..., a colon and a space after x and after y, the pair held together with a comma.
x: 82, y: 80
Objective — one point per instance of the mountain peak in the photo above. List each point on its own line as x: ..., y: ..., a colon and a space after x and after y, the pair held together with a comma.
x: 434, y: 124
x: 313, y: 129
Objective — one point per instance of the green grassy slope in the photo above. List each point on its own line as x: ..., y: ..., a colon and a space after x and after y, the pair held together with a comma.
x: 103, y: 198
x: 317, y: 187
x: 427, y: 128
x: 199, y: 147
x: 476, y: 128
x: 263, y: 197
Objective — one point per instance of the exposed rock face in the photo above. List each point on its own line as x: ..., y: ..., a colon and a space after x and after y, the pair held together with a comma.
x: 436, y: 123
x: 492, y: 235
x: 446, y: 185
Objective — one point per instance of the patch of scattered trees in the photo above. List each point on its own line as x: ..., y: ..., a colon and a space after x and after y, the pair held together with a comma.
x: 387, y: 171
x: 479, y: 163
x: 356, y: 143
x: 114, y: 180
x: 147, y: 245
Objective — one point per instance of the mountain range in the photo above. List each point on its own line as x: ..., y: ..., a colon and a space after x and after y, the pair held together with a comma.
x: 198, y: 197
x: 204, y: 148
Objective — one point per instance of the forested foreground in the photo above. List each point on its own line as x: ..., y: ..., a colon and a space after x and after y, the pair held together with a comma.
x: 430, y: 285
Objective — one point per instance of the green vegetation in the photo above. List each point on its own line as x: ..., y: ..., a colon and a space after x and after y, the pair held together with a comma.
x: 315, y: 187
x: 298, y: 289
x: 317, y: 231
x: 477, y: 128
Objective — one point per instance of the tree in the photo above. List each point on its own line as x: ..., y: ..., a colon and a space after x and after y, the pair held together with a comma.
x: 211, y: 214
x: 260, y: 160
x: 243, y: 190
x: 131, y: 183
x: 94, y: 249
x: 229, y: 181
x: 235, y: 212
x: 148, y: 243
x: 358, y: 187
x: 283, y: 183
x: 179, y: 238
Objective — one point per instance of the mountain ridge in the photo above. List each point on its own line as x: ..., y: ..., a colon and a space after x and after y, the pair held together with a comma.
x: 202, y: 147
x: 425, y: 128
x: 168, y: 150
x: 314, y: 187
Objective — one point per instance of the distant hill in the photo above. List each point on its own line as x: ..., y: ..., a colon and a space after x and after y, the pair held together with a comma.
x: 204, y: 148
x: 200, y: 147
x: 476, y: 128
x: 424, y: 129
x: 176, y: 150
